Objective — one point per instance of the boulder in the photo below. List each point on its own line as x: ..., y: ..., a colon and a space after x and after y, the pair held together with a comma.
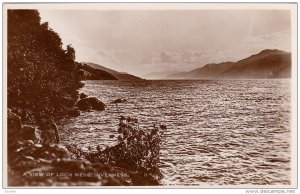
x: 96, y: 104
x: 90, y: 103
x: 163, y: 126
x: 119, y: 100
x: 83, y: 96
x: 111, y: 136
x: 83, y: 105
x: 74, y: 112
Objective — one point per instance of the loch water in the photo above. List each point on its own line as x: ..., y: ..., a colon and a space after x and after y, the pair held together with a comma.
x: 219, y: 132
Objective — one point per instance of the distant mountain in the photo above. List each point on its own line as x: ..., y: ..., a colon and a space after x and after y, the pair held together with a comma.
x: 158, y: 75
x: 116, y: 74
x: 267, y: 64
x: 90, y: 73
x: 208, y: 71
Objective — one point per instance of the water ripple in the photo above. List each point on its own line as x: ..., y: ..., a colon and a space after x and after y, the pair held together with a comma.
x: 219, y: 132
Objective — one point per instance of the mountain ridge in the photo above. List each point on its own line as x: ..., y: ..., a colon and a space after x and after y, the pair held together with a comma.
x: 118, y: 75
x: 267, y: 64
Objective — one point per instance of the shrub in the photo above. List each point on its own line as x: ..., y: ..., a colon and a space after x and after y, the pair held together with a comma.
x: 137, y: 150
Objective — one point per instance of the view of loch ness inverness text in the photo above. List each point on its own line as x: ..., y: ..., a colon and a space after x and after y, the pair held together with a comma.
x: 169, y: 97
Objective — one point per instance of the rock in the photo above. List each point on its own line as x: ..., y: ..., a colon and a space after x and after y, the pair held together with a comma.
x: 119, y: 100
x: 37, y: 145
x: 96, y: 104
x: 83, y: 105
x: 53, y: 151
x: 74, y: 112
x: 44, y: 161
x: 83, y: 96
x: 111, y: 136
x: 27, y: 143
x: 90, y: 103
x: 163, y: 126
x: 29, y: 158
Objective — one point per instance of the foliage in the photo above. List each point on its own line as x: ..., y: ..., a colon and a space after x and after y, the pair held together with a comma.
x: 43, y: 82
x: 42, y: 76
x: 136, y: 150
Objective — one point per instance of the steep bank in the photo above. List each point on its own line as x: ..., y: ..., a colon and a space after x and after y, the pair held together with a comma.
x: 42, y: 76
x: 31, y: 163
x: 43, y: 83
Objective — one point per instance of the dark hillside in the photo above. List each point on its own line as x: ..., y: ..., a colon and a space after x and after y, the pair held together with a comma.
x: 42, y: 77
x: 116, y: 74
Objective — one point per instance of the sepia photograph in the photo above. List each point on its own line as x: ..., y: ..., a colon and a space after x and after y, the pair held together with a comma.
x: 150, y: 95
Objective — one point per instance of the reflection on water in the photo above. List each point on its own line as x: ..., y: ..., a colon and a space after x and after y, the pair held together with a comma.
x: 218, y: 132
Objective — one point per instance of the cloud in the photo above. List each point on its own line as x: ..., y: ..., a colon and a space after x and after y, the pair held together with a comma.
x: 139, y: 41
x: 277, y: 40
x: 100, y: 56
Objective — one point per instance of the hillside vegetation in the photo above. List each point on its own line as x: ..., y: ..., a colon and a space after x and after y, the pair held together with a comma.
x: 42, y: 75
x: 43, y: 83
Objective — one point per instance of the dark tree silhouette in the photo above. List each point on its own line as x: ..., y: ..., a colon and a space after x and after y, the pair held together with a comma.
x: 42, y: 77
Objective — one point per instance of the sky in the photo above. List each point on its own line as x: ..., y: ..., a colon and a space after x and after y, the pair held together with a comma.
x: 144, y: 41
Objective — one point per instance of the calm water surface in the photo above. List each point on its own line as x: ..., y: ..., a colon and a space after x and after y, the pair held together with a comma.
x: 218, y: 132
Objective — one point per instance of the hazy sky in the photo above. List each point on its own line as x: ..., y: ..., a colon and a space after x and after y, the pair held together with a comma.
x: 141, y: 42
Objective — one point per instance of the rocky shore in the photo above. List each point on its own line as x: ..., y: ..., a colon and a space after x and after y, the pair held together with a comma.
x: 43, y: 83
x: 36, y: 158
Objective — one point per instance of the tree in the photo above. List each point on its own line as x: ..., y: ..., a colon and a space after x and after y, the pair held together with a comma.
x: 41, y: 75
x: 70, y: 52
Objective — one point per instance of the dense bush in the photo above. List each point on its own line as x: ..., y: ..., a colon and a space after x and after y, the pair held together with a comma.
x: 137, y: 150
x: 42, y: 76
